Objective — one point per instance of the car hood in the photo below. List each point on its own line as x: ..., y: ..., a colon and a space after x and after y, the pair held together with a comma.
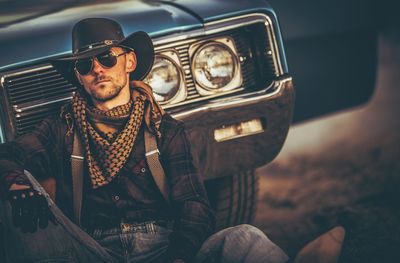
x: 49, y: 35
x: 211, y: 10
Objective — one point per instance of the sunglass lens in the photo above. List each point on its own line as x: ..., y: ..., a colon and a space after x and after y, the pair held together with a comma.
x: 107, y: 59
x: 83, y: 66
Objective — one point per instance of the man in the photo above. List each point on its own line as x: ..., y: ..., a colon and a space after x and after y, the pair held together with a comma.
x: 130, y: 207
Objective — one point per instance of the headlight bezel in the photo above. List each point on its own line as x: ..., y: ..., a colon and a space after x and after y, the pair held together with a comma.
x: 172, y: 56
x: 228, y: 44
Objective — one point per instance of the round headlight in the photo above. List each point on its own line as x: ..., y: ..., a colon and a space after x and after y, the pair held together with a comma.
x: 164, y: 78
x: 214, y: 66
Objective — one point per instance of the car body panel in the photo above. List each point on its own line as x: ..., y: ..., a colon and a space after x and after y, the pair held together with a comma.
x: 215, y: 159
x: 331, y: 49
x: 51, y: 34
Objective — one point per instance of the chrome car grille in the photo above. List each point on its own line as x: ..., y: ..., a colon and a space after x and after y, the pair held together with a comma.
x: 42, y: 83
x: 35, y: 92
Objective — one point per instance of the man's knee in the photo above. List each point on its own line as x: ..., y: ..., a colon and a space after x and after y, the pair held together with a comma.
x: 246, y: 231
x: 242, y: 243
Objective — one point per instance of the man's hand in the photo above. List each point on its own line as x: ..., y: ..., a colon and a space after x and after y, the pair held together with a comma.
x: 29, y: 208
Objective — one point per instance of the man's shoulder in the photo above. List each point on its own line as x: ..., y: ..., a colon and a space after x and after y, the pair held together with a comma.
x: 58, y: 121
x: 168, y: 122
x: 170, y: 128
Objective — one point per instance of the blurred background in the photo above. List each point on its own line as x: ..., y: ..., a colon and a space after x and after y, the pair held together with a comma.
x: 341, y: 168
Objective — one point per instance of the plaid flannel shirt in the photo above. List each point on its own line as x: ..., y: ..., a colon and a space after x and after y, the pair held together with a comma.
x: 45, y: 152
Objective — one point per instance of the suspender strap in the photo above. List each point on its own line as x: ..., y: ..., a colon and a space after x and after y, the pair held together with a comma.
x: 153, y: 161
x: 77, y: 177
x: 77, y: 159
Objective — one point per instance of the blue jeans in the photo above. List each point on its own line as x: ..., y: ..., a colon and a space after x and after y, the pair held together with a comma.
x: 142, y: 242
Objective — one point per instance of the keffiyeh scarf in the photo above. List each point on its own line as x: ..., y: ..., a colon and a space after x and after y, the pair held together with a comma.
x: 108, y: 136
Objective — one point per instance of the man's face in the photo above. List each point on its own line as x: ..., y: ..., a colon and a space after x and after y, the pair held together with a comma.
x: 104, y: 83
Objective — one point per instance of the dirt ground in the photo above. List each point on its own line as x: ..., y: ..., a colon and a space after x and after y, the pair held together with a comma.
x: 344, y: 170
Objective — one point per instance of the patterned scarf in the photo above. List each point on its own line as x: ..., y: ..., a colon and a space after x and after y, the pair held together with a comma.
x: 106, y: 153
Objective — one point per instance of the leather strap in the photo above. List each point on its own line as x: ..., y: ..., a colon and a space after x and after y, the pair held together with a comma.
x: 153, y: 161
x: 152, y: 158
x: 77, y: 160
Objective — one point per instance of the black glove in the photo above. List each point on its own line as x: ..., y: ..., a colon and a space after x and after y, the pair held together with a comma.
x: 30, y: 209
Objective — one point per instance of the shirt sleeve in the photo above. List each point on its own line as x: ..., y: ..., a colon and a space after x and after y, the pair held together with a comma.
x: 33, y: 151
x: 195, y: 220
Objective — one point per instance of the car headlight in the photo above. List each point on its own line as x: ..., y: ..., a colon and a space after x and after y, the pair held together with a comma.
x: 164, y: 78
x: 214, y: 66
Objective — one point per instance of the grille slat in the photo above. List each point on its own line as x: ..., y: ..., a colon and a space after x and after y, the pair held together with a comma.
x: 44, y: 87
x: 35, y: 82
x: 34, y: 89
x: 36, y: 86
x: 27, y: 88
x: 27, y: 76
x: 49, y: 95
x: 184, y: 58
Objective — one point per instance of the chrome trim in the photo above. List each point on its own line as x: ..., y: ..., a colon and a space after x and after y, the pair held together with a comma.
x: 228, y: 43
x: 181, y: 94
x: 6, y: 115
x: 178, y: 37
x: 262, y: 18
x: 237, y: 101
x: 275, y: 51
x: 2, y: 79
x: 156, y: 151
x: 19, y: 109
x: 22, y: 109
x: 77, y: 157
x: 218, y: 26
x: 1, y: 136
x: 215, y: 28
x: 203, y: 98
x: 47, y: 66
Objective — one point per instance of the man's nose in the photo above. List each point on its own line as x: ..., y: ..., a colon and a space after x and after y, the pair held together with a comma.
x: 97, y: 67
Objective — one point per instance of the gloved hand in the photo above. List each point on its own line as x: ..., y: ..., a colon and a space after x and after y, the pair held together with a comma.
x: 30, y: 209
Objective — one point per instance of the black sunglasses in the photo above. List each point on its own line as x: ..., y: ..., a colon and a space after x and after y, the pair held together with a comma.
x: 107, y: 59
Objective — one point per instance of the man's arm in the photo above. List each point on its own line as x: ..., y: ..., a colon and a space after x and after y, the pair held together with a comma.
x: 194, y: 220
x: 33, y: 152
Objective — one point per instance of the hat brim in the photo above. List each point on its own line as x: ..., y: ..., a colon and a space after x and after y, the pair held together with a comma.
x: 140, y: 42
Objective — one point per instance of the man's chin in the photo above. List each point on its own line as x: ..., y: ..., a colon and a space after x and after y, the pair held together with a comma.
x: 105, y: 96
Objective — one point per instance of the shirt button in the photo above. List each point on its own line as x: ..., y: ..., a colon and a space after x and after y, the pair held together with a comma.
x: 116, y: 198
x: 143, y: 170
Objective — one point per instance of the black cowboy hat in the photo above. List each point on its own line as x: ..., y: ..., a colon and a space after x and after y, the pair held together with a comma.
x: 92, y: 36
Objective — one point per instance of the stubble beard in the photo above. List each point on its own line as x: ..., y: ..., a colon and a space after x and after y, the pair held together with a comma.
x: 107, y: 91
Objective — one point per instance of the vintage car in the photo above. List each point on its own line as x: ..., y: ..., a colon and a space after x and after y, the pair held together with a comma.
x: 220, y: 67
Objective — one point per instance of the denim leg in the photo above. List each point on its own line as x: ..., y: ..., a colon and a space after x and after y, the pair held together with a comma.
x: 243, y: 243
x: 151, y: 245
x: 144, y: 242
x: 63, y: 242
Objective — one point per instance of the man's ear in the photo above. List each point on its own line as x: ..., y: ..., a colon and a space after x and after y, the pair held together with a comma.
x: 131, y: 62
